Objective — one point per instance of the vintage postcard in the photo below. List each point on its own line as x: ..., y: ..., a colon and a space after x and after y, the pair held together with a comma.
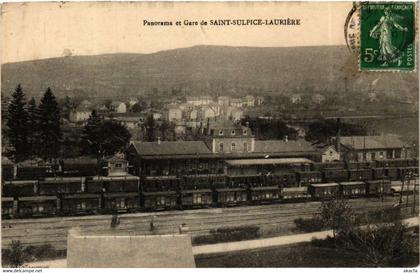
x: 209, y: 135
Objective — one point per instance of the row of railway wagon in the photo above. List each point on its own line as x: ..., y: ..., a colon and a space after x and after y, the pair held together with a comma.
x: 79, y: 187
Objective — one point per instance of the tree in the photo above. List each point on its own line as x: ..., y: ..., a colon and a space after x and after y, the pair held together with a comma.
x: 380, y: 244
x: 90, y: 138
x: 150, y: 128
x: 17, y: 125
x: 325, y: 129
x: 68, y: 106
x: 17, y: 255
x: 49, y: 125
x: 337, y: 214
x: 139, y: 107
x: 33, y: 128
x: 103, y: 138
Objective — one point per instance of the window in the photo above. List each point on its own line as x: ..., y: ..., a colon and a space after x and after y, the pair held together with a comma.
x: 220, y: 132
x: 118, y: 165
x: 232, y: 132
x: 233, y: 147
x: 364, y: 156
x: 389, y: 154
x: 372, y: 156
x: 197, y: 199
x: 246, y: 146
x: 245, y: 132
x: 160, y: 200
x: 398, y: 153
x: 220, y: 147
x: 331, y: 153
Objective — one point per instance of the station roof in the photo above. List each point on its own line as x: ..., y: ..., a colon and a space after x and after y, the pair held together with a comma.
x: 281, y: 146
x: 171, y: 148
x: 324, y: 185
x: 268, y: 161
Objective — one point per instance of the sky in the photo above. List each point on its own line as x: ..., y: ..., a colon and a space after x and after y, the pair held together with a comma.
x: 44, y: 30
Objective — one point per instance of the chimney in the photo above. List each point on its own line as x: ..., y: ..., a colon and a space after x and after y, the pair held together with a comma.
x: 286, y: 139
x: 158, y: 140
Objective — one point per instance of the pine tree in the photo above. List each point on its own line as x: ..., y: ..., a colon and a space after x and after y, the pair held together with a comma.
x: 49, y: 125
x: 33, y: 129
x: 17, y: 123
x: 90, y: 138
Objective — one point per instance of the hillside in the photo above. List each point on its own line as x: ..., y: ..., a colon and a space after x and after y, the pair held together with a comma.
x: 205, y: 70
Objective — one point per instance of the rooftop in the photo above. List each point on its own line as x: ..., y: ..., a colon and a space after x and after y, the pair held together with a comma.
x: 373, y: 142
x: 268, y: 161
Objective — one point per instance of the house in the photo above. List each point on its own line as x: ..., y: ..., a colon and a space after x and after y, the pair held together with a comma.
x: 132, y: 101
x: 368, y: 148
x: 236, y: 103
x: 118, y: 107
x: 80, y: 114
x: 114, y: 166
x: 201, y: 100
x: 174, y: 113
x: 129, y: 120
x: 249, y: 101
x: 328, y: 153
x: 85, y: 104
x: 223, y: 101
x: 318, y: 98
x: 296, y: 98
x: 210, y: 111
x: 157, y: 116
x: 236, y: 114
x: 259, y: 100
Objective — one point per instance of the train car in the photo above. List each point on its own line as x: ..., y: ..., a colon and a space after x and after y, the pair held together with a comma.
x: 80, y: 204
x: 295, y: 194
x: 127, y: 183
x: 61, y: 185
x: 7, y: 169
x: 378, y: 173
x: 94, y: 185
x: 323, y: 191
x: 404, y: 172
x: 352, y: 189
x: 121, y: 202
x: 34, y: 169
x: 37, y: 206
x: 20, y: 188
x: 360, y: 174
x: 159, y: 192
x: 7, y: 207
x: 392, y: 173
x: 196, y: 190
x: 334, y: 175
x: 378, y: 187
x: 286, y: 179
x: 79, y: 166
x: 319, y: 166
x: 231, y: 196
x: 360, y: 165
x: 310, y: 177
x: 264, y: 189
x: 234, y: 191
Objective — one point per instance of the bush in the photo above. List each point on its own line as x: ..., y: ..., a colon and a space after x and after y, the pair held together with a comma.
x: 17, y: 255
x: 309, y: 224
x: 228, y: 234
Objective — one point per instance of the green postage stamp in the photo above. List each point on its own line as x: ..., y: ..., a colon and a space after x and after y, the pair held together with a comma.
x: 387, y: 36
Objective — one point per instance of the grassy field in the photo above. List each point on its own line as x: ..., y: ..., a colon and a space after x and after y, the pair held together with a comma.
x: 299, y: 255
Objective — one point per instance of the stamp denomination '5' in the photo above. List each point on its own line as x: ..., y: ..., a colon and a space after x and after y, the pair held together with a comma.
x: 387, y: 35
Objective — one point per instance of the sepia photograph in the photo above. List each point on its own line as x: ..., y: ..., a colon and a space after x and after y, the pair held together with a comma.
x: 209, y: 135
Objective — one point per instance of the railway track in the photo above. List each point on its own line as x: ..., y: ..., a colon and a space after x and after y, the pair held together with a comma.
x: 54, y: 231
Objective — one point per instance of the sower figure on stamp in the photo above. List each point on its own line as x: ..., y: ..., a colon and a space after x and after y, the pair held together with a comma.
x: 388, y: 52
